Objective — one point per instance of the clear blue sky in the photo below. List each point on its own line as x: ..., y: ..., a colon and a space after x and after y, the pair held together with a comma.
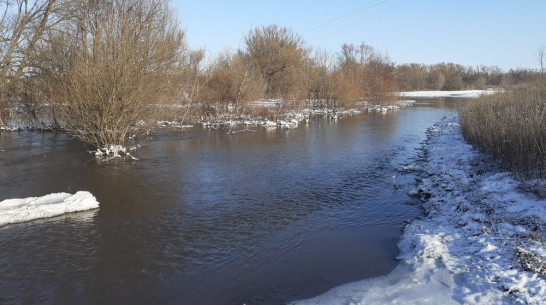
x: 505, y: 33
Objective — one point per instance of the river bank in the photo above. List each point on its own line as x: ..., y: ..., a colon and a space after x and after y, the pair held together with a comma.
x: 481, y: 241
x: 42, y: 118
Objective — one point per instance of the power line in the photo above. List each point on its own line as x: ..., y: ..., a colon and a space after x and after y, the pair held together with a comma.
x: 342, y: 18
x: 333, y: 24
x: 377, y: 13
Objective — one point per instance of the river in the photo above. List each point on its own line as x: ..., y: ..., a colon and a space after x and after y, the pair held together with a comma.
x: 257, y: 217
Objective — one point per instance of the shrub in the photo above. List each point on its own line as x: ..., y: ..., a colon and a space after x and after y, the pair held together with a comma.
x: 123, y: 57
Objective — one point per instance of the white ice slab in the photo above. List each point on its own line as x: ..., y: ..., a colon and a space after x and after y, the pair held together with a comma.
x: 27, y: 209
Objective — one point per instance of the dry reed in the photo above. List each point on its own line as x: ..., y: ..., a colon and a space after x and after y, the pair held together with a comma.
x: 512, y: 127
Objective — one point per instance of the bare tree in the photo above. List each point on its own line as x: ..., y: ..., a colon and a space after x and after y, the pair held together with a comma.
x: 22, y: 25
x: 277, y: 52
x: 380, y: 80
x: 233, y: 81
x: 541, y: 55
x: 121, y: 59
x: 318, y: 80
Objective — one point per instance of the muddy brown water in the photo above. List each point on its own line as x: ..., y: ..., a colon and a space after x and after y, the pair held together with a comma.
x: 258, y: 217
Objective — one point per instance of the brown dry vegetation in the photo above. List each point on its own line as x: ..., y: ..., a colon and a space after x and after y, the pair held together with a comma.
x: 450, y: 76
x: 22, y: 25
x: 125, y: 56
x: 511, y: 126
x: 275, y: 65
x: 108, y: 69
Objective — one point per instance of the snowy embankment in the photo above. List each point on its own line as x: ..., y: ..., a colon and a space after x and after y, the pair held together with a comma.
x: 7, y: 128
x: 481, y: 241
x: 27, y: 209
x: 460, y: 93
x: 384, y: 109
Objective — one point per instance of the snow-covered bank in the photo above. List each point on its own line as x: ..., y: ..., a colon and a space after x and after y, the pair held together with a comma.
x: 7, y: 128
x: 460, y: 93
x: 22, y: 210
x: 289, y: 119
x: 384, y: 108
x: 482, y: 240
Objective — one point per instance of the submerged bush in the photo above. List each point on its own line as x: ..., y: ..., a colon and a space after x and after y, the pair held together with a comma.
x: 511, y: 126
x: 124, y: 55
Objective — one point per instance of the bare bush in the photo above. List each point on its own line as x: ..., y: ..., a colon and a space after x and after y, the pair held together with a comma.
x: 232, y: 82
x: 278, y: 54
x: 380, y: 81
x: 122, y: 59
x: 22, y: 25
x: 318, y: 81
x: 366, y: 74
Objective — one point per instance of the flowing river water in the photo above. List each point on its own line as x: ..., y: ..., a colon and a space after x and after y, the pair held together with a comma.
x: 258, y: 217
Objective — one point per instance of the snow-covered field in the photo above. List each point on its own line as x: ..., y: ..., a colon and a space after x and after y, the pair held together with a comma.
x: 460, y: 93
x: 27, y: 209
x: 481, y: 241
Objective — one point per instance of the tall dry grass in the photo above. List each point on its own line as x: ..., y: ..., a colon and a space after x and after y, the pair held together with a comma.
x: 511, y: 126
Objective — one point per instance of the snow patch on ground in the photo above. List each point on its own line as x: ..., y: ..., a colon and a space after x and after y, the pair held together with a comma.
x: 482, y: 239
x: 460, y: 93
x: 27, y: 209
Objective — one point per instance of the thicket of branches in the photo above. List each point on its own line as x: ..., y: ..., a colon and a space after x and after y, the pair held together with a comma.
x: 104, y: 69
x: 123, y: 57
x: 275, y: 64
x: 22, y: 26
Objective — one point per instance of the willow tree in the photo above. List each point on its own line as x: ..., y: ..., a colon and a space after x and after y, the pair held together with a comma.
x: 232, y: 81
x: 123, y: 57
x: 278, y: 54
x: 22, y: 25
x: 364, y: 73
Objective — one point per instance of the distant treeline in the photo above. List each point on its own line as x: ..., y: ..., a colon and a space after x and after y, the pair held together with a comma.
x: 105, y: 70
x: 450, y: 76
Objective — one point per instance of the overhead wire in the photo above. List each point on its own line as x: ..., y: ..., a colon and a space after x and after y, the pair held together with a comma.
x: 374, y: 14
x: 336, y: 24
x: 342, y: 18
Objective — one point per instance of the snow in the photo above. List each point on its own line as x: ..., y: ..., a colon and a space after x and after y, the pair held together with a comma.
x: 388, y: 108
x: 174, y: 124
x: 55, y: 204
x: 481, y: 241
x: 460, y: 93
x: 7, y: 128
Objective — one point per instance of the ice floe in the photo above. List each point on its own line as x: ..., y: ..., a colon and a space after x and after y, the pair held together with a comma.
x: 55, y: 204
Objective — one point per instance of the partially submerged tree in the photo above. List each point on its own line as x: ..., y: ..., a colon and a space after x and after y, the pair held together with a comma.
x: 22, y: 25
x: 232, y: 81
x: 121, y: 58
x: 319, y: 80
x: 365, y: 74
x: 278, y: 54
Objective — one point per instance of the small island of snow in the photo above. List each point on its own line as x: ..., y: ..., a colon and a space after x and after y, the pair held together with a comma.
x: 27, y: 209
